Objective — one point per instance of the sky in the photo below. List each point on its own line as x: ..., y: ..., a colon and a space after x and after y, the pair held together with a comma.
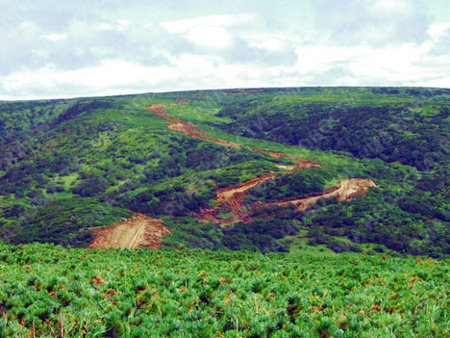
x: 72, y: 48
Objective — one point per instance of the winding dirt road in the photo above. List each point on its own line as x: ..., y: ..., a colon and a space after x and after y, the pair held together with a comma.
x: 186, y: 127
x: 347, y: 190
x: 231, y: 199
x: 142, y: 231
x: 301, y: 162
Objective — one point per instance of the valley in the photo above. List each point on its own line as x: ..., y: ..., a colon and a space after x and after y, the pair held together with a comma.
x: 141, y: 231
x: 225, y: 169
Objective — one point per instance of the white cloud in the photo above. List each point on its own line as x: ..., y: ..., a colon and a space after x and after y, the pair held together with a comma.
x: 60, y: 51
x: 438, y: 30
x: 322, y: 58
x: 215, y: 37
x: 182, y: 26
x: 55, y: 36
x: 270, y: 43
x: 393, y: 7
x: 373, y: 22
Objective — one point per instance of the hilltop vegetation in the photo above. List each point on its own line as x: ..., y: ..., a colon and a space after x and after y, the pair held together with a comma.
x: 115, y: 155
x: 395, y: 125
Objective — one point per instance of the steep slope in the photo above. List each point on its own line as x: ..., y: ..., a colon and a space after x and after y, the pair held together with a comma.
x: 141, y: 231
x: 403, y: 125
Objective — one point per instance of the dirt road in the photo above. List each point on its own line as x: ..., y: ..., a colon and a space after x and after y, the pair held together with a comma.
x: 142, y: 231
x: 301, y: 162
x: 186, y: 127
x: 233, y: 196
x: 230, y: 200
x: 137, y: 232
x: 347, y: 190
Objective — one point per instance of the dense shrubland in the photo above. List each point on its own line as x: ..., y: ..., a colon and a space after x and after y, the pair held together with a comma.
x: 115, y: 153
x: 67, y: 222
x: 50, y: 290
x: 410, y: 127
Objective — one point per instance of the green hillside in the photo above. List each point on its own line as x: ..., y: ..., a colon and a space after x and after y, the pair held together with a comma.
x: 122, y: 158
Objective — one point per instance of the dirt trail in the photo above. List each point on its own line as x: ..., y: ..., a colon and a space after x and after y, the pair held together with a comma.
x: 347, y: 190
x: 142, y: 231
x: 186, y: 127
x: 301, y: 162
x: 137, y: 232
x: 192, y: 130
x: 233, y: 196
x: 230, y: 200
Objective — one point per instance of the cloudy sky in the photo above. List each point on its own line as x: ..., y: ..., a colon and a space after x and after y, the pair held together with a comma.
x: 68, y: 48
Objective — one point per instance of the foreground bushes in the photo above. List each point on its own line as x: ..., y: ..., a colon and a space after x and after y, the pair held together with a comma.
x: 48, y: 290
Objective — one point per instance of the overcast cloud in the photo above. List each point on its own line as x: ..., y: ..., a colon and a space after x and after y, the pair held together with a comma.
x: 59, y: 48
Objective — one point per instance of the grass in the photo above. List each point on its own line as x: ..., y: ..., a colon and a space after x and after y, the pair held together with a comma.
x: 196, y: 113
x: 59, y: 195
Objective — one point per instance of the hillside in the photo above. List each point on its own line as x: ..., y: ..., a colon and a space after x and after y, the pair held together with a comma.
x: 317, y: 170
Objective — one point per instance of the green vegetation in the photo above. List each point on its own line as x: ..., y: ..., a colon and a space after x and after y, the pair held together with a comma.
x: 67, y: 222
x: 295, y: 185
x: 365, y: 132
x: 371, y: 219
x: 17, y: 119
x: 336, y: 269
x: 117, y: 155
x: 260, y: 235
x: 50, y: 290
x: 396, y: 125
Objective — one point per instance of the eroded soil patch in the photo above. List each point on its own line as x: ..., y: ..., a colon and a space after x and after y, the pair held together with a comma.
x: 136, y: 232
x: 347, y: 190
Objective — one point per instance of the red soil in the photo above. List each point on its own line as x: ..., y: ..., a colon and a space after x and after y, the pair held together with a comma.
x: 301, y: 162
x: 137, y: 232
x: 186, y: 127
x: 347, y: 190
x: 231, y: 200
